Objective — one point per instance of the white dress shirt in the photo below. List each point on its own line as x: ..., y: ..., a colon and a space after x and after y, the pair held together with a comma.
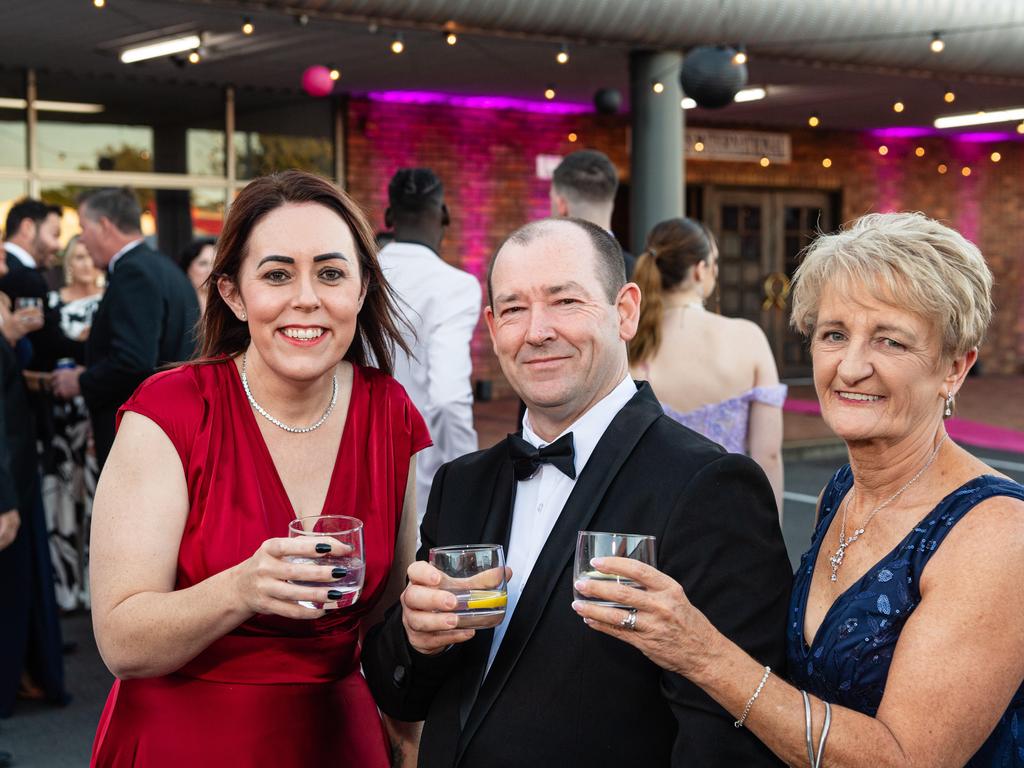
x: 21, y: 254
x: 442, y: 304
x: 540, y: 499
x: 122, y: 252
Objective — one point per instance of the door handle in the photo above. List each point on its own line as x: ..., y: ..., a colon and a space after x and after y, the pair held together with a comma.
x: 776, y: 291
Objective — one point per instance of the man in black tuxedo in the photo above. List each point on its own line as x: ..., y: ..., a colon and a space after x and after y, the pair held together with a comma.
x: 541, y: 689
x: 146, y: 319
x: 32, y: 232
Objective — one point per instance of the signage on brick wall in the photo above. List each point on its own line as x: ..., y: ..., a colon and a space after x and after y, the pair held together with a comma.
x: 742, y: 146
x: 546, y: 165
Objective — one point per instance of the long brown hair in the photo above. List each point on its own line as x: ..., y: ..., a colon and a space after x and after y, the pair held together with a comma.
x: 221, y: 333
x: 674, y: 247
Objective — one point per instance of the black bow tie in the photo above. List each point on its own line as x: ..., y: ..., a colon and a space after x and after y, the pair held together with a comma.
x: 527, y: 460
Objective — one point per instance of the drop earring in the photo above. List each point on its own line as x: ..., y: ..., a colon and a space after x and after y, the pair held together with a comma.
x: 243, y: 317
x: 949, y: 404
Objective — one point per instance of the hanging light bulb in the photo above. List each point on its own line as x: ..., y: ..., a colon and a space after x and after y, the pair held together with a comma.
x: 826, y: 162
x: 397, y: 44
x: 99, y: 3
x: 194, y: 57
x: 995, y: 157
x: 897, y: 106
x: 919, y: 151
x: 765, y: 162
x: 657, y: 86
x: 883, y: 150
x: 335, y: 73
x: 562, y: 57
x: 549, y: 92
x: 451, y: 38
x: 937, y: 44
x: 247, y: 26
x: 949, y: 97
x: 965, y: 171
x: 813, y: 121
x: 740, y: 57
x: 573, y: 137
x: 941, y: 168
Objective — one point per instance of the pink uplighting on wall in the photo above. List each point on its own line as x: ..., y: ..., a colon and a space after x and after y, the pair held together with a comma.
x: 479, y: 102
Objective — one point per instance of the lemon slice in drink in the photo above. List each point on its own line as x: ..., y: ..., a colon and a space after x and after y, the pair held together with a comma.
x: 486, y: 598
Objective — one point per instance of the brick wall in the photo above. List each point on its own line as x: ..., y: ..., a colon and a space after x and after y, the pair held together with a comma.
x: 486, y: 160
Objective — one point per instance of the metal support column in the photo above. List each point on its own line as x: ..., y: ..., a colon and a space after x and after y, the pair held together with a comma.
x: 31, y: 131
x: 657, y: 174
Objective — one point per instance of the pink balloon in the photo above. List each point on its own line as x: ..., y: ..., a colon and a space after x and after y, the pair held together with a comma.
x: 316, y: 81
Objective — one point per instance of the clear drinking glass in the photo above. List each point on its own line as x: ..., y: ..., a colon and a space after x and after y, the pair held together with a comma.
x: 591, y: 544
x: 349, y: 532
x: 476, y: 576
x: 35, y: 304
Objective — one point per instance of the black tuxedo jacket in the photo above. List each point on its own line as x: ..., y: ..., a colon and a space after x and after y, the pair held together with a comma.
x: 558, y: 692
x: 49, y: 344
x: 146, y: 319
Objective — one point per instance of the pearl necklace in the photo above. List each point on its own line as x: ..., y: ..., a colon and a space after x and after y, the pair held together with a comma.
x: 278, y: 423
x: 837, y: 559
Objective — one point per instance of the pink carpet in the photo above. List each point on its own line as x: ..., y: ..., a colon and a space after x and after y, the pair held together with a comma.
x: 961, y: 430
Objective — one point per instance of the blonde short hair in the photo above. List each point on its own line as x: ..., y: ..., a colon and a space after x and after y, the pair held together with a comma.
x: 907, y: 260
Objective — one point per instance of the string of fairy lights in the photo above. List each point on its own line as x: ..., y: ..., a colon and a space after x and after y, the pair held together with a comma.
x: 191, y: 46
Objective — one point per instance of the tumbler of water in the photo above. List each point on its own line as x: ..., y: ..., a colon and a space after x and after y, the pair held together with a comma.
x: 591, y: 544
x: 475, y: 574
x: 346, y: 531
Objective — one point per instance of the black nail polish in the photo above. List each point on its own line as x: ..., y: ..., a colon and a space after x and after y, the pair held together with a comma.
x: 334, y: 594
x: 323, y: 548
x: 337, y: 573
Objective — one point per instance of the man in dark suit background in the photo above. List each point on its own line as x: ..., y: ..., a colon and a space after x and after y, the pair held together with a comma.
x: 542, y: 689
x: 32, y: 232
x: 146, y: 319
x: 583, y: 186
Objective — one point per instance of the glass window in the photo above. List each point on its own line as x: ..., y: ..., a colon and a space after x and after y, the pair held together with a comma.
x: 94, y: 147
x: 12, y: 121
x: 205, y: 152
x: 207, y: 212
x: 276, y: 132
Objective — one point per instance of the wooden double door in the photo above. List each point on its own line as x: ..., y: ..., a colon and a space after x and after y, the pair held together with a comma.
x: 761, y: 234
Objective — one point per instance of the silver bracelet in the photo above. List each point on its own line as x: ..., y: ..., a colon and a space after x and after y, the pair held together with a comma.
x: 824, y: 735
x: 746, y: 710
x: 807, y: 729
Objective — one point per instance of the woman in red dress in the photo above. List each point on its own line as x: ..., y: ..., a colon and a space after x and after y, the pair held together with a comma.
x: 194, y: 613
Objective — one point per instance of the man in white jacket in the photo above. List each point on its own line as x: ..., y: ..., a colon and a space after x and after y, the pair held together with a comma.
x: 442, y: 305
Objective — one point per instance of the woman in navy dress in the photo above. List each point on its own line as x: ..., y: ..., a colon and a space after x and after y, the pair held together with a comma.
x: 906, y: 638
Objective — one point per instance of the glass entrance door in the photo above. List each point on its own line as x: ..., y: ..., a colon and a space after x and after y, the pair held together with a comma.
x: 760, y: 237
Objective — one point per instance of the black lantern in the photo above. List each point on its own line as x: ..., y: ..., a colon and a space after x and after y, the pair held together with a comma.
x: 607, y: 101
x: 711, y: 75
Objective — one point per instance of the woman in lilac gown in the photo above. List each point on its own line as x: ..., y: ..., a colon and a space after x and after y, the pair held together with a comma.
x: 713, y: 374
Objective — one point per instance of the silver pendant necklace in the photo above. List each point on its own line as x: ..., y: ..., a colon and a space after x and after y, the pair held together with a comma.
x: 277, y: 422
x: 837, y: 559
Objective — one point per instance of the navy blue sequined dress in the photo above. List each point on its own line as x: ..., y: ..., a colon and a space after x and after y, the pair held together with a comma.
x: 848, y: 661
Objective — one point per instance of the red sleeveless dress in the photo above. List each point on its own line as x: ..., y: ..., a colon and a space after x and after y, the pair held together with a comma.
x: 275, y: 691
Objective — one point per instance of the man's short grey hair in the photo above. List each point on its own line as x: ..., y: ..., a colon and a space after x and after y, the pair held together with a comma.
x: 119, y: 204
x: 586, y: 176
x: 608, y: 262
x: 907, y: 260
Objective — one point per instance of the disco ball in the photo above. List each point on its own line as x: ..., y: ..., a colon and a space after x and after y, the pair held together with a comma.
x: 607, y: 101
x: 710, y: 76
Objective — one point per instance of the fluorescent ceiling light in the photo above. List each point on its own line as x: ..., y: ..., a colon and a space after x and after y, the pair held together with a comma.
x: 747, y: 94
x: 53, y: 106
x: 750, y: 94
x: 980, y: 118
x: 160, y: 48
